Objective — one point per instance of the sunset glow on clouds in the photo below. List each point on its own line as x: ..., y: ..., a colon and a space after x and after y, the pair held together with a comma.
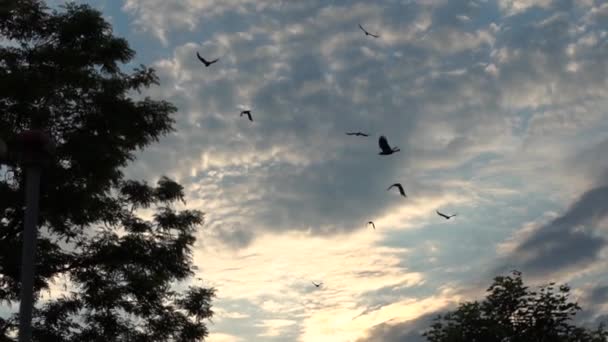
x: 498, y: 107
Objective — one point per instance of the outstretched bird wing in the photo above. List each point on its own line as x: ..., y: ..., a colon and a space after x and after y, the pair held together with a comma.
x: 372, y: 223
x: 398, y: 185
x: 401, y: 191
x: 367, y: 33
x: 442, y: 214
x: 204, y: 61
x: 383, y: 143
x: 201, y: 58
x: 248, y: 113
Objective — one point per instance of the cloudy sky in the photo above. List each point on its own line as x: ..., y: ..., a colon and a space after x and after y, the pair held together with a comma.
x: 498, y: 107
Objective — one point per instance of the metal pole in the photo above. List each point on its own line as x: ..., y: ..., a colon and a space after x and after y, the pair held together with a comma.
x: 32, y: 194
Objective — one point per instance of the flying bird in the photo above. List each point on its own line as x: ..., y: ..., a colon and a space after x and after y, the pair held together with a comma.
x: 317, y: 285
x: 207, y: 63
x: 248, y: 113
x: 385, y: 147
x: 447, y: 217
x: 372, y: 223
x: 398, y: 185
x: 357, y: 134
x: 367, y: 33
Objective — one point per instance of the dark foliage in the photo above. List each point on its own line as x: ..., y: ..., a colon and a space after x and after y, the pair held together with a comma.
x: 61, y: 72
x: 513, y: 313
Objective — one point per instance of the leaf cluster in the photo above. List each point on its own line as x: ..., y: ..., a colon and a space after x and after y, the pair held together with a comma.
x: 63, y: 71
x: 514, y: 313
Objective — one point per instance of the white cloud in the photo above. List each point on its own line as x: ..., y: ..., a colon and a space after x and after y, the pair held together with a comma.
x: 221, y: 337
x: 220, y: 313
x: 482, y: 114
x: 511, y: 7
x: 159, y: 17
x: 450, y: 41
x: 342, y: 324
x: 274, y: 327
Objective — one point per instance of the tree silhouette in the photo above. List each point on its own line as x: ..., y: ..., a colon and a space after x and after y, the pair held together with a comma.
x: 511, y: 312
x: 61, y: 72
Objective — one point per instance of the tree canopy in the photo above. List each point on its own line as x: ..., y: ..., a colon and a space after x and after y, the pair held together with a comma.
x: 514, y: 313
x: 62, y: 71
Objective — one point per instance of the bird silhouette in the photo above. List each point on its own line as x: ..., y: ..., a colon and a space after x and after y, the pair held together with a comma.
x: 207, y: 63
x: 248, y: 113
x: 367, y: 33
x: 447, y: 217
x: 317, y: 285
x: 372, y: 223
x: 357, y: 134
x: 398, y: 185
x: 385, y: 147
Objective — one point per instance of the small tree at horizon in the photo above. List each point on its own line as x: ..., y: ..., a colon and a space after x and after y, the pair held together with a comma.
x: 514, y: 313
x: 61, y: 71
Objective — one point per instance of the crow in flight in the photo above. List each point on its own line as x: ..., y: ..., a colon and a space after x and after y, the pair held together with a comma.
x: 447, y: 217
x: 248, y: 113
x: 207, y: 63
x: 385, y: 147
x: 357, y: 134
x: 317, y: 285
x: 398, y: 185
x: 367, y: 33
x: 372, y: 223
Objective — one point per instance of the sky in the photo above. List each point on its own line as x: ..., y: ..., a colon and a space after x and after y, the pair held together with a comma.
x: 498, y: 108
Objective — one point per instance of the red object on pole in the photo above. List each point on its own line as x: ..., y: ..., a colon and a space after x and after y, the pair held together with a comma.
x: 34, y: 146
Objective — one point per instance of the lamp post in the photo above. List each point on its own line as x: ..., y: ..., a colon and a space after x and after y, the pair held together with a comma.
x: 32, y: 150
x: 3, y: 150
